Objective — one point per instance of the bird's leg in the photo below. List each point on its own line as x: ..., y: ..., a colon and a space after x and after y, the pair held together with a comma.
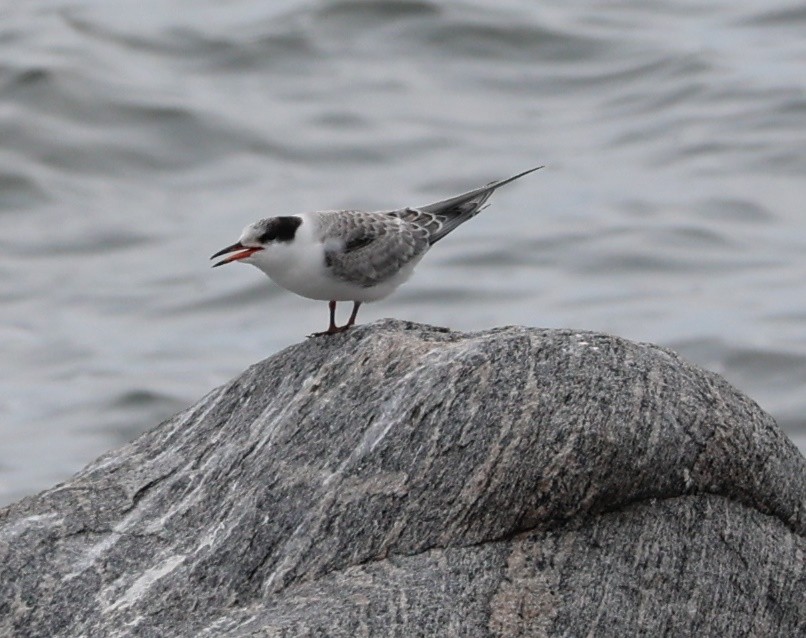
x: 353, y: 315
x: 332, y: 328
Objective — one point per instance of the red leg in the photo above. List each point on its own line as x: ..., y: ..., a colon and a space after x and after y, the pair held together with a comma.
x: 351, y: 322
x: 332, y: 328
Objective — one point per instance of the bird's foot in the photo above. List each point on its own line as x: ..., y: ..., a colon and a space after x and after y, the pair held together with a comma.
x: 333, y: 330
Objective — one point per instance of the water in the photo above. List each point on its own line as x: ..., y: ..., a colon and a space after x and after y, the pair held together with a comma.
x: 137, y: 138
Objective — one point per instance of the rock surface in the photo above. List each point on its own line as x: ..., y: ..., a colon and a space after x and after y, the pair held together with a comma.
x: 404, y: 480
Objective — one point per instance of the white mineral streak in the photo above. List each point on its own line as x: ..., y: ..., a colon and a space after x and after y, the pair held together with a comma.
x: 16, y: 528
x: 144, y: 582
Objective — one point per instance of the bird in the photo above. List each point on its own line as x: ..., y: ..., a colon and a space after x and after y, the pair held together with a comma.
x: 352, y: 255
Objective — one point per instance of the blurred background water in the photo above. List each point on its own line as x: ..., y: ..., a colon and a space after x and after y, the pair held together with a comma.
x: 138, y: 137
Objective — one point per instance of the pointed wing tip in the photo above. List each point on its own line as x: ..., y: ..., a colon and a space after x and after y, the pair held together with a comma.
x: 531, y: 170
x: 514, y: 177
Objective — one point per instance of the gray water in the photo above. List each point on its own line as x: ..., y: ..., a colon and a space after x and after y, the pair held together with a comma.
x: 137, y: 138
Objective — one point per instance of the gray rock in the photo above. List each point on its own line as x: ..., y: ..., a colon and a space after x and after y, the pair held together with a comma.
x: 403, y: 480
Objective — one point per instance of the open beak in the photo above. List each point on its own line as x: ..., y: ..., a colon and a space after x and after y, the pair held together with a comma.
x: 245, y: 252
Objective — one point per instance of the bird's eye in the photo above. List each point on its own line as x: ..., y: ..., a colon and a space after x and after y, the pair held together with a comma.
x: 267, y: 236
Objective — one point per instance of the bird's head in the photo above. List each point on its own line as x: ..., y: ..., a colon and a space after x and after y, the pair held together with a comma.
x: 259, y: 236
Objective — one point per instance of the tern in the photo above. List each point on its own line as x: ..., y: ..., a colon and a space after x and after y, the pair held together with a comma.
x: 351, y: 255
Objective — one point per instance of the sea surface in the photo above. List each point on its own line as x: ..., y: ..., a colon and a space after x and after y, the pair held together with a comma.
x: 137, y: 137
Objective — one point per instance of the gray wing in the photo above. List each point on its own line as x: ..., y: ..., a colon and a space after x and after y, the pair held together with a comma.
x: 440, y: 218
x: 368, y: 248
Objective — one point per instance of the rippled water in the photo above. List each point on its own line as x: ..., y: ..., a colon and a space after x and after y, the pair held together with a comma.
x: 136, y: 138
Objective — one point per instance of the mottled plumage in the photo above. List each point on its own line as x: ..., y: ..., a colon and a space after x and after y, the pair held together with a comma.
x: 369, y: 248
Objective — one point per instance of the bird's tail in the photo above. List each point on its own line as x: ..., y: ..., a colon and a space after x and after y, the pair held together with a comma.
x: 457, y: 210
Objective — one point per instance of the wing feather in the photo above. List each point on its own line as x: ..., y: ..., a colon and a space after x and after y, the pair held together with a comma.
x: 369, y: 248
